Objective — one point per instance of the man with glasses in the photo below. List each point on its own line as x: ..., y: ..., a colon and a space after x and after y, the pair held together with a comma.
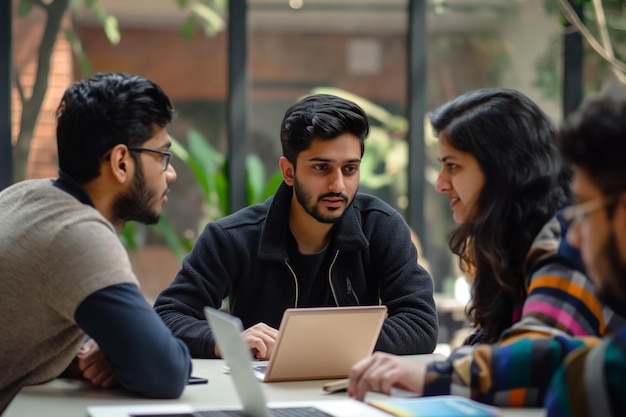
x: 64, y: 273
x: 593, y: 378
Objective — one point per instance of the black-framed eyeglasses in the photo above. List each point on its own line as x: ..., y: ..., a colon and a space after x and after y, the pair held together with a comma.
x: 578, y: 212
x: 166, y: 155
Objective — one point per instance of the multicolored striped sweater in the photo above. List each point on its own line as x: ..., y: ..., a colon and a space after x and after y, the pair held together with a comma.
x: 592, y: 380
x: 561, y: 303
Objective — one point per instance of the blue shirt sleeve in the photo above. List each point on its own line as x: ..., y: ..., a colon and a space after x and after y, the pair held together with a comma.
x: 142, y: 352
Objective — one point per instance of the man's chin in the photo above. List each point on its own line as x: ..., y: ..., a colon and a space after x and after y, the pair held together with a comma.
x: 147, y: 219
x: 329, y: 219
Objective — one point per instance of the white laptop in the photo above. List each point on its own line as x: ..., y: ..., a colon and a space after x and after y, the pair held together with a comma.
x: 337, y: 337
x: 227, y: 330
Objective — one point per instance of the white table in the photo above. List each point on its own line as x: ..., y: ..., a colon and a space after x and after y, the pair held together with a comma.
x: 68, y: 398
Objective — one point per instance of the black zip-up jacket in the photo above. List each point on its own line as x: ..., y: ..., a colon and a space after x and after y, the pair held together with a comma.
x: 244, y: 257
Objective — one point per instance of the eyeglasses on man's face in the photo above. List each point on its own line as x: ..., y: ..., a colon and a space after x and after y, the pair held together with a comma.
x: 578, y: 212
x: 166, y: 155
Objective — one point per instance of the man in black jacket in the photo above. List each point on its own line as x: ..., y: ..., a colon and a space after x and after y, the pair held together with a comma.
x: 315, y: 243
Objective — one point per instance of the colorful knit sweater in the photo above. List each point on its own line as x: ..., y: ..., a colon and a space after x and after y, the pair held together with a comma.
x: 561, y: 302
x: 592, y: 380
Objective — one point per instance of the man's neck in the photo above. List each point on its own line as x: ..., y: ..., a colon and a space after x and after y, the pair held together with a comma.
x: 103, y: 201
x: 312, y: 236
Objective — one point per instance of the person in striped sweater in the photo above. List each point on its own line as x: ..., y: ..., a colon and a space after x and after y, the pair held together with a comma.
x: 592, y: 380
x: 507, y: 188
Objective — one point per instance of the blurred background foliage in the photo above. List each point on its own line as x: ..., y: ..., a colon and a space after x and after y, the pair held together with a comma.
x: 598, y: 16
x: 209, y: 168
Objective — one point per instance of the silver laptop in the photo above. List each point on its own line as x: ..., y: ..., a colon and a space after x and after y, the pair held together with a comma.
x: 337, y: 337
x: 227, y: 330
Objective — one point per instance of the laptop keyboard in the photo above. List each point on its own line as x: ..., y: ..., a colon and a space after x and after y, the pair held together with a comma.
x: 275, y: 412
x: 260, y: 368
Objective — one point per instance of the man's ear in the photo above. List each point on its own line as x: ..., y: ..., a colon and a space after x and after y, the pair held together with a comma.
x: 287, y: 169
x: 120, y: 163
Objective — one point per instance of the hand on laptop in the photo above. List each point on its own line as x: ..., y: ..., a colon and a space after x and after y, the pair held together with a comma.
x: 381, y: 372
x: 94, y: 366
x: 261, y: 339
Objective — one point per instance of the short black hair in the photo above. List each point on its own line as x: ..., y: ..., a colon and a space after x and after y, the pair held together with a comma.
x: 320, y: 116
x: 103, y: 111
x: 594, y: 139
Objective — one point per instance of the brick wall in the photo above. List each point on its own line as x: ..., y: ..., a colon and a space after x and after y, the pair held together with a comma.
x: 27, y: 34
x: 197, y: 69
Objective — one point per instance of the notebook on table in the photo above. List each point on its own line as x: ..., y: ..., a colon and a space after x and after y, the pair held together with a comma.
x: 227, y: 330
x: 334, y: 338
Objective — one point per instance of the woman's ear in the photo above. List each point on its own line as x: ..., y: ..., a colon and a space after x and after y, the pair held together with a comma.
x: 287, y: 169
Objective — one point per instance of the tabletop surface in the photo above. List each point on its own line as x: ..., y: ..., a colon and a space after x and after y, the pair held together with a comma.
x: 70, y: 398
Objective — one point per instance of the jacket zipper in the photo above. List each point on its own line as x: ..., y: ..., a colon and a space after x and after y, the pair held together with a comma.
x: 295, y: 280
x: 351, y: 290
x: 330, y: 280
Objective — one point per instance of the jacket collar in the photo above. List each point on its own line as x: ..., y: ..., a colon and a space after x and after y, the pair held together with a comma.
x: 348, y: 234
x: 67, y: 184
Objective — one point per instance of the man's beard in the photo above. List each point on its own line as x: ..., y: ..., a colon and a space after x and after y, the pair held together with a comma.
x: 613, y: 290
x: 306, y: 201
x: 136, y: 203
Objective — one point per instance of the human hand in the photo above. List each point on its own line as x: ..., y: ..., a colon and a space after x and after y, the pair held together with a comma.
x: 94, y: 366
x: 381, y: 372
x: 261, y: 339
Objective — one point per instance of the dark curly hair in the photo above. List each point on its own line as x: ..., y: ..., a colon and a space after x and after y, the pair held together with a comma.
x: 512, y: 140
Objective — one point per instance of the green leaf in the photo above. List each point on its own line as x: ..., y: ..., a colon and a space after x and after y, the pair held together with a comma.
x: 212, y: 21
x: 111, y: 29
x: 165, y: 229
x: 188, y: 28
x: 77, y: 47
x: 128, y: 236
x: 179, y: 150
x: 222, y: 189
x: 255, y: 179
x: 181, y: 3
x: 100, y: 14
x: 372, y: 110
x: 206, y: 158
x: 272, y: 185
x: 24, y: 7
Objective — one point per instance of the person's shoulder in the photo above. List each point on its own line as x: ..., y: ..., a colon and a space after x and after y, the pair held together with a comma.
x: 369, y: 204
x: 31, y: 188
x: 551, y: 246
x: 41, y: 208
x: 250, y: 216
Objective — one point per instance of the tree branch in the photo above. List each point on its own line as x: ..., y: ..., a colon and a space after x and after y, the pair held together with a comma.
x: 572, y: 17
x: 32, y: 105
x: 606, y: 40
x: 18, y: 82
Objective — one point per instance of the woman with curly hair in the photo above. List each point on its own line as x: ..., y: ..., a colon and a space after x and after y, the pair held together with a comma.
x: 506, y: 186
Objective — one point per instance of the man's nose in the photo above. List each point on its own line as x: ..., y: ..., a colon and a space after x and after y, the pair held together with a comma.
x: 170, y: 173
x: 336, y: 184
